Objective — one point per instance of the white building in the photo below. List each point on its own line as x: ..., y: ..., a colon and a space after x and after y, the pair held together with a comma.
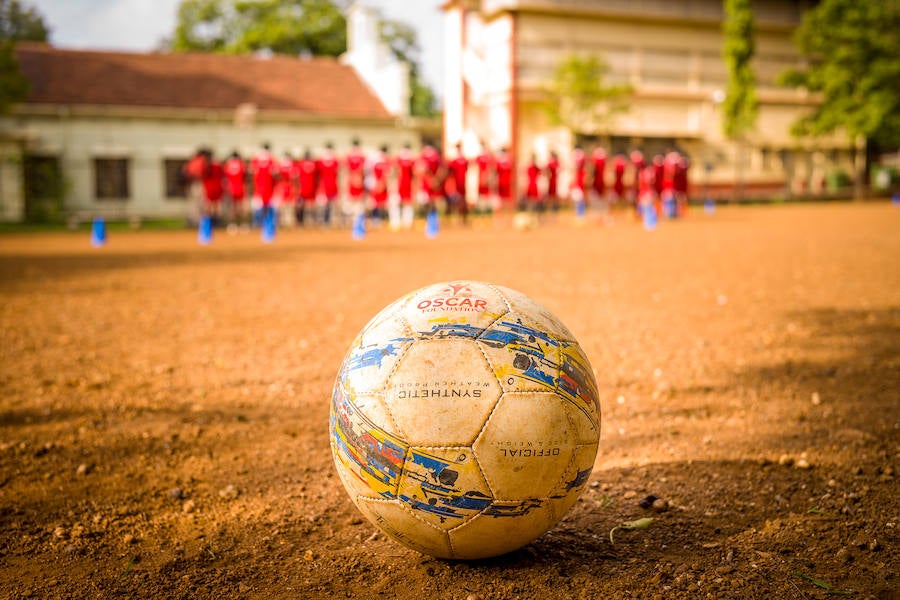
x: 106, y: 133
x: 501, y: 54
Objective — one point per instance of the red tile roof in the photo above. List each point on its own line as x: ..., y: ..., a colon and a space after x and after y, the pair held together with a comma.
x: 317, y: 86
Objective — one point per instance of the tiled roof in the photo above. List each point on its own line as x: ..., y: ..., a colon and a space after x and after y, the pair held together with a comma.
x: 317, y: 86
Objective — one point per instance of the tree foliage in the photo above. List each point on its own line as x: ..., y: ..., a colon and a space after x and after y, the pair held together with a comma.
x: 579, y: 100
x: 294, y: 27
x: 20, y: 22
x: 852, y: 54
x: 740, y: 108
x: 17, y: 23
x: 403, y: 43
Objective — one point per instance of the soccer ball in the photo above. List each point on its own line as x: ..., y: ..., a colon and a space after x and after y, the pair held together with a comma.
x: 464, y: 420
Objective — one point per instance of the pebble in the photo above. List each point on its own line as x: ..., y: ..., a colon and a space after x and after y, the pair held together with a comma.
x: 60, y: 533
x: 660, y: 505
x: 176, y: 494
x: 188, y: 506
x: 128, y: 539
x: 229, y: 492
x: 629, y: 494
x: 473, y: 597
x: 84, y: 469
x: 816, y: 399
x: 309, y: 555
x: 802, y: 463
x: 785, y: 460
x: 647, y: 501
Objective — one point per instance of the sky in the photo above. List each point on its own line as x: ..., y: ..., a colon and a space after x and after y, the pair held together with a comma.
x: 139, y: 25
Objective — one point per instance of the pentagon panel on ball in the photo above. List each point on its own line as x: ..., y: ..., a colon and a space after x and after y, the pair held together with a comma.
x: 465, y: 420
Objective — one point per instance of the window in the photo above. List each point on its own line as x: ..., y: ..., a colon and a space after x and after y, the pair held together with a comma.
x: 176, y: 185
x: 111, y: 178
x: 765, y: 158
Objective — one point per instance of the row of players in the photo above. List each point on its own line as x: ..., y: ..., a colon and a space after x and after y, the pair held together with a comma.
x: 313, y: 185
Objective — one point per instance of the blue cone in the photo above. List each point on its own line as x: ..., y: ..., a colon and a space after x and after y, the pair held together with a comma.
x: 650, y: 218
x: 268, y: 226
x: 359, y: 227
x: 709, y: 206
x: 205, y: 233
x: 580, y: 209
x: 431, y: 224
x: 98, y: 232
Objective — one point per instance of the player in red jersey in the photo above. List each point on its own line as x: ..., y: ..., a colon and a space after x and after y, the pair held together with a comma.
x: 192, y: 172
x: 212, y: 186
x: 637, y: 165
x: 485, y: 163
x: 680, y: 183
x: 459, y: 169
x: 430, y: 163
x: 327, y: 168
x: 262, y: 166
x: 647, y: 190
x: 658, y: 165
x: 235, y: 176
x: 286, y: 190
x: 618, y: 164
x: 598, y: 186
x: 576, y: 189
x: 355, y: 162
x: 670, y: 162
x: 381, y: 172
x: 401, y: 208
x: 307, y: 183
x: 532, y: 199
x: 552, y: 168
x: 504, y: 168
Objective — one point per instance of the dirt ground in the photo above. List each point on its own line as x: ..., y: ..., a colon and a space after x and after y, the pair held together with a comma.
x: 164, y: 416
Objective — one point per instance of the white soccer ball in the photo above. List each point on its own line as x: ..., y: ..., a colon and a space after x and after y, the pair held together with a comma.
x: 464, y: 420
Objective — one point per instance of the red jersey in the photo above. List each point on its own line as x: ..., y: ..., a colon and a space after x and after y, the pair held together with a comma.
x: 286, y: 176
x: 578, y: 161
x: 637, y: 160
x: 195, y: 168
x: 647, y: 181
x: 680, y: 180
x: 533, y: 172
x: 381, y: 168
x: 485, y: 164
x: 262, y: 166
x: 658, y: 174
x: 430, y: 160
x: 307, y: 177
x: 327, y: 167
x: 669, y: 165
x: 619, y: 164
x: 503, y: 164
x: 552, y: 176
x: 406, y: 164
x: 212, y: 182
x: 235, y: 172
x: 598, y: 158
x: 356, y: 162
x: 459, y: 167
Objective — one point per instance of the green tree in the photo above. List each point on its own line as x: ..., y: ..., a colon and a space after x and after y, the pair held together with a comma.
x: 578, y: 99
x: 20, y: 22
x: 294, y: 27
x: 740, y: 108
x: 851, y: 50
x: 404, y: 45
x: 17, y: 22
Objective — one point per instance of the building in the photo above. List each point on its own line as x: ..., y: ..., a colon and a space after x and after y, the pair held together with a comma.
x: 106, y: 133
x: 500, y: 55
